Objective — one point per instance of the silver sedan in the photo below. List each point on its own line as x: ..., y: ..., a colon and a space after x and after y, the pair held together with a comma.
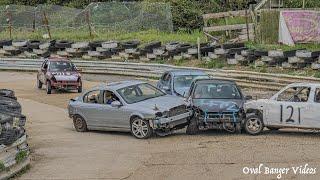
x: 132, y: 106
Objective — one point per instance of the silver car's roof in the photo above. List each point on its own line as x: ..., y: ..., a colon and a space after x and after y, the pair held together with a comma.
x: 181, y: 72
x: 118, y: 85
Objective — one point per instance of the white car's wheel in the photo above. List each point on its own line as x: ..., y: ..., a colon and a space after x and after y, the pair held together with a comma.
x: 140, y: 128
x: 253, y: 125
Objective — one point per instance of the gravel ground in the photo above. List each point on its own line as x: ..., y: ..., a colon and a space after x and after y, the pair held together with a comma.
x: 59, y: 152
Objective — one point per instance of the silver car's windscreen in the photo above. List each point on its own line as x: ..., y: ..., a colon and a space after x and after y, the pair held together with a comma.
x: 185, y: 81
x: 216, y: 91
x: 139, y: 92
x: 61, y: 66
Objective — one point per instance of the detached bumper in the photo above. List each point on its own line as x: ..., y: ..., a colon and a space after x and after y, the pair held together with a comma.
x: 220, y: 118
x: 170, y: 122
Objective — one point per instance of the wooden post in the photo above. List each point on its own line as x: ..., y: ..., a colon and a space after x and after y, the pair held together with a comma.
x: 199, y: 50
x: 34, y: 22
x: 226, y: 21
x: 303, y: 4
x: 46, y: 23
x: 88, y: 22
x: 9, y: 20
x: 247, y: 23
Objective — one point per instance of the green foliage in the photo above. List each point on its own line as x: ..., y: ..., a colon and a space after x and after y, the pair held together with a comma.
x: 268, y: 30
x: 317, y: 75
x: 2, y: 166
x: 20, y: 156
x: 214, y: 64
x: 83, y: 35
x: 299, y: 3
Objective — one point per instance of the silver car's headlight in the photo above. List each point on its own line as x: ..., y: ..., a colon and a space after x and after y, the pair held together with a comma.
x: 159, y: 114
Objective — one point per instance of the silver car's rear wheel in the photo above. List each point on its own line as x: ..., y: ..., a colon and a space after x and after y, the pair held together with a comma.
x: 253, y: 124
x: 79, y: 124
x: 140, y: 128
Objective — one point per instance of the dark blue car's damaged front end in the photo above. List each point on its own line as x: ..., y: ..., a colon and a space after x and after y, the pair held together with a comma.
x: 216, y: 104
x: 218, y: 114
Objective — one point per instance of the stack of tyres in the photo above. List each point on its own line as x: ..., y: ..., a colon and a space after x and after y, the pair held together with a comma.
x: 14, y: 150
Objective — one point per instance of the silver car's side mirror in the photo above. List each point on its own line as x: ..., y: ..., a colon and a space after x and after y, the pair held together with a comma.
x: 116, y: 104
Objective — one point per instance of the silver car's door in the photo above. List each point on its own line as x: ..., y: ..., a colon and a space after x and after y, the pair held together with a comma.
x: 288, y: 109
x: 113, y: 116
x: 90, y: 107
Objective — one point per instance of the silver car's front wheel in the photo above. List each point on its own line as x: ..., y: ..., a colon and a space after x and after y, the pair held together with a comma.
x: 140, y: 128
x: 253, y: 124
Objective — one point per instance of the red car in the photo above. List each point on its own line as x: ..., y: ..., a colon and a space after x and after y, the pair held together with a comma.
x: 57, y: 73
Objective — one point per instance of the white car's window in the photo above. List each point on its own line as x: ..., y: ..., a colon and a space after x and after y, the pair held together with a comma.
x: 295, y: 94
x: 317, y: 96
x: 140, y: 92
x: 92, y: 97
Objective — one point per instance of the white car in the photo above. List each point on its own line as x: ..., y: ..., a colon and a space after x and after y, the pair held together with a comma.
x: 295, y: 106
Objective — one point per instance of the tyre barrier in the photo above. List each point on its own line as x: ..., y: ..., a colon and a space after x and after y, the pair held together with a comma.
x: 14, y: 149
x: 232, y: 54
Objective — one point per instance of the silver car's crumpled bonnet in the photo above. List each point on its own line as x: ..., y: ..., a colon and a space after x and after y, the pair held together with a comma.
x: 163, y: 103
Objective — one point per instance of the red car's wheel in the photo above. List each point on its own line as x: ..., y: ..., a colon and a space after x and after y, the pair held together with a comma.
x: 39, y: 84
x: 49, y: 88
x: 80, y: 87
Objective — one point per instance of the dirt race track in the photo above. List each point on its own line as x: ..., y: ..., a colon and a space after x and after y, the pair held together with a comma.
x: 59, y: 152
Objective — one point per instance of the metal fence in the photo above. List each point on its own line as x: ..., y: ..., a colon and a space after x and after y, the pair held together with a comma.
x: 115, y: 16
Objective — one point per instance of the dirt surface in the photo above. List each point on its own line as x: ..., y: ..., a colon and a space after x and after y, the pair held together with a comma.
x: 59, y: 152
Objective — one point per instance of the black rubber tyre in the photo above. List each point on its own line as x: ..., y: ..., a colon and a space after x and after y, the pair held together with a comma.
x: 130, y: 44
x: 9, y: 105
x: 8, y: 93
x: 33, y: 44
x: 8, y: 137
x: 49, y: 88
x: 63, y: 44
x: 5, y: 43
x: 260, y: 53
x: 79, y: 124
x: 140, y: 128
x: 183, y: 47
x: 193, y: 127
x: 253, y: 124
x: 152, y: 45
x: 233, y: 45
x: 39, y: 84
x: 95, y: 44
x: 80, y: 88
x: 273, y: 128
